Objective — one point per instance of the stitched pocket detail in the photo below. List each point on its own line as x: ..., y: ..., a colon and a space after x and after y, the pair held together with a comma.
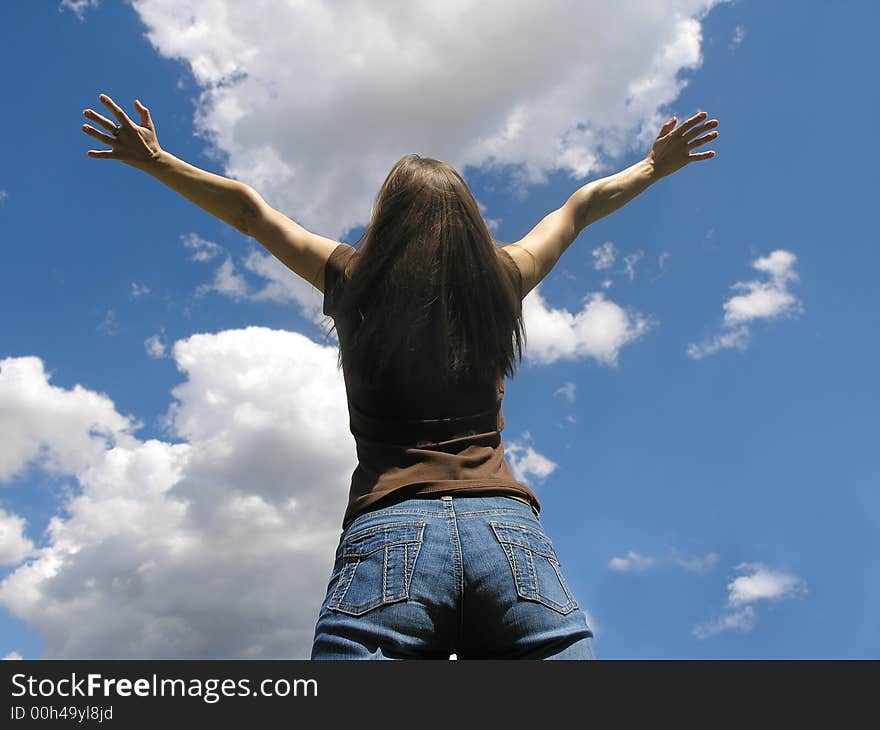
x: 537, y: 572
x: 378, y: 566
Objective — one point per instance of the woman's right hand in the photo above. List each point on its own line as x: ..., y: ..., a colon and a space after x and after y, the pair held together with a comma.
x: 135, y: 145
x: 672, y: 148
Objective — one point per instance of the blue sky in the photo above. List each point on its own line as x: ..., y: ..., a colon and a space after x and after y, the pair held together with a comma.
x: 706, y: 502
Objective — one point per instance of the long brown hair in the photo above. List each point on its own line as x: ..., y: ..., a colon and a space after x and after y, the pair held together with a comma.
x: 429, y: 286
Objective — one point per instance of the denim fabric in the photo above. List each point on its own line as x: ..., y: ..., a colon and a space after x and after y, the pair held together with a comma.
x: 426, y: 578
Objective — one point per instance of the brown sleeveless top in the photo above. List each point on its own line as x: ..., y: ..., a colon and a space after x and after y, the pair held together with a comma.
x: 416, y: 443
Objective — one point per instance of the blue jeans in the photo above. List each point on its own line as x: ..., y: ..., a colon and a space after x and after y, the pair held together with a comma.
x: 428, y: 577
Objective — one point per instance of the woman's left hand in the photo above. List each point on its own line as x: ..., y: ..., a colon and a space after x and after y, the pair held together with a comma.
x: 672, y: 149
x: 134, y: 144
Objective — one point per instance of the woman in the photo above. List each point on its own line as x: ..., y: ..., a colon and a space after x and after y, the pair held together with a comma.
x: 442, y: 550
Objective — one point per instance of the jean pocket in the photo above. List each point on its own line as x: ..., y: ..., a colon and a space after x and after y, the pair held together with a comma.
x: 537, y: 572
x: 378, y: 563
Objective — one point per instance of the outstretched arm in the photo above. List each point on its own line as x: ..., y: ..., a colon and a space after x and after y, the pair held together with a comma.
x: 670, y: 152
x: 238, y: 204
x: 538, y: 251
x: 137, y: 145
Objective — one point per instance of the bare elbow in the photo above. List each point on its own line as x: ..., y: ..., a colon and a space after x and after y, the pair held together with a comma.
x: 248, y: 212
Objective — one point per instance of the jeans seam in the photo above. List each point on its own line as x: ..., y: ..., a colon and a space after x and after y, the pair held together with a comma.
x: 385, y: 551
x: 457, y: 566
x: 437, y: 513
x: 337, y: 598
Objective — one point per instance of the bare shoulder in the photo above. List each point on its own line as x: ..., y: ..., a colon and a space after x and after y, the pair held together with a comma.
x: 537, y: 252
x: 525, y: 263
x: 300, y: 250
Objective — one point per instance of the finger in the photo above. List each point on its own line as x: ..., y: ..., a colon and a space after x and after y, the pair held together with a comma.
x: 98, y: 134
x: 701, y: 155
x: 711, y: 124
x: 702, y: 140
x: 146, y: 119
x: 664, y: 130
x: 100, y: 119
x: 102, y: 154
x: 694, y: 120
x: 117, y: 111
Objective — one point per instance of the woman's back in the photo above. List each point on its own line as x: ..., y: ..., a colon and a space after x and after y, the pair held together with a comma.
x: 416, y: 434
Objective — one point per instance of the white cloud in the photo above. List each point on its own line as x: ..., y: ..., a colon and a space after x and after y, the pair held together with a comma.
x: 567, y: 391
x: 741, y: 620
x: 739, y: 34
x: 60, y: 430
x: 78, y: 7
x: 139, y: 290
x: 604, y: 256
x: 13, y: 655
x: 631, y: 261
x: 525, y: 461
x: 282, y: 284
x: 155, y: 346
x: 699, y: 564
x: 109, y: 325
x: 3, y: 196
x: 14, y: 545
x: 227, y: 281
x: 493, y: 224
x: 738, y: 338
x: 600, y: 330
x: 202, y: 249
x: 632, y: 561
x: 758, y: 583
x: 764, y: 300
x: 763, y: 584
x: 164, y: 533
x: 661, y: 264
x: 316, y: 130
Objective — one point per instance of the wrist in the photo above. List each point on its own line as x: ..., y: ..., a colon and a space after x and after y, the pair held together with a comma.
x: 154, y: 162
x: 650, y: 169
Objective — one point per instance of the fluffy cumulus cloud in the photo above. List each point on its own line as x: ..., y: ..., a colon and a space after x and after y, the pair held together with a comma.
x: 312, y: 103
x: 768, y: 299
x: 215, y: 542
x: 14, y: 545
x: 599, y: 330
x: 61, y: 431
x: 756, y: 583
x: 525, y: 462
